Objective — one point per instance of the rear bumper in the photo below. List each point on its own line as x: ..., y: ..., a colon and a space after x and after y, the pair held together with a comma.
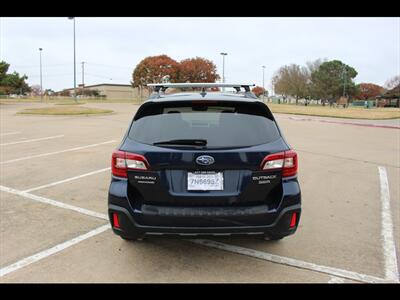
x: 129, y: 227
x: 193, y: 221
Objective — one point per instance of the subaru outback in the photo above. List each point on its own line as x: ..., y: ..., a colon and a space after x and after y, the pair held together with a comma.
x: 204, y: 163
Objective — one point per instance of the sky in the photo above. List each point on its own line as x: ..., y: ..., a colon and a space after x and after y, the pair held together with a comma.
x: 112, y: 47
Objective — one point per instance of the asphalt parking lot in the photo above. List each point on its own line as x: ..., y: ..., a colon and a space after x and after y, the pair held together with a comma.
x: 54, y: 177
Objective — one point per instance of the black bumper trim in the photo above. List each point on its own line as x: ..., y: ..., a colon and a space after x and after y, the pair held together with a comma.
x: 202, y: 211
x: 138, y: 228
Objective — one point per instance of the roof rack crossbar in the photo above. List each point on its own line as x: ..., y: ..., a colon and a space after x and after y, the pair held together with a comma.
x: 203, y: 85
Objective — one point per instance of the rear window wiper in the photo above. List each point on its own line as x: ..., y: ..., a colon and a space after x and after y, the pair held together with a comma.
x: 190, y: 142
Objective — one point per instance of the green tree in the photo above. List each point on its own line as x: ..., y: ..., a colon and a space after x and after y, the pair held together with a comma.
x: 48, y: 92
x: 64, y: 93
x: 3, y: 70
x: 12, y: 83
x: 313, y: 66
x: 88, y: 93
x: 333, y: 78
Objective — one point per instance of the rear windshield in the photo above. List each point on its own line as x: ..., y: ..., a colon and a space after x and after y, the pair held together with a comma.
x: 221, y: 126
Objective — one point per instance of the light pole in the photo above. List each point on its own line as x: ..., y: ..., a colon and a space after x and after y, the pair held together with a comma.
x: 83, y: 77
x: 41, y: 85
x: 223, y: 68
x: 263, y: 68
x: 72, y: 18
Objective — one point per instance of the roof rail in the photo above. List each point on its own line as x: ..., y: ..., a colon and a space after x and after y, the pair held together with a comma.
x: 162, y: 87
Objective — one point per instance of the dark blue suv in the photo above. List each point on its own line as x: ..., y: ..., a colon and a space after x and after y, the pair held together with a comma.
x: 204, y: 163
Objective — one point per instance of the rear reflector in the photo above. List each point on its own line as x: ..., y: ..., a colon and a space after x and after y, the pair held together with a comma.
x: 115, y: 220
x: 293, y: 220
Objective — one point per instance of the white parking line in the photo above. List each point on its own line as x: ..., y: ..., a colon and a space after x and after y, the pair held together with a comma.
x: 56, y: 152
x: 53, y: 202
x: 66, y: 180
x: 33, y: 140
x: 390, y: 270
x: 291, y: 262
x: 43, y: 254
x: 389, y: 247
x: 9, y: 133
x: 335, y: 279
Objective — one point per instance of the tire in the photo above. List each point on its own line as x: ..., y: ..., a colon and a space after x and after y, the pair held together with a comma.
x: 273, y: 237
x: 132, y: 238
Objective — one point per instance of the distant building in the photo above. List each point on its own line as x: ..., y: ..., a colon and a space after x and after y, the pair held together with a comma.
x: 389, y: 98
x: 113, y: 91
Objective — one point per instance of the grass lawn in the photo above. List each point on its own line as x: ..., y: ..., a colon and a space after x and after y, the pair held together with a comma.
x: 326, y: 111
x: 69, y: 103
x: 64, y: 110
x: 69, y: 100
x: 311, y: 110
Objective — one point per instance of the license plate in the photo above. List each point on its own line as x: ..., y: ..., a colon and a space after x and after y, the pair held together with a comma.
x: 205, y: 181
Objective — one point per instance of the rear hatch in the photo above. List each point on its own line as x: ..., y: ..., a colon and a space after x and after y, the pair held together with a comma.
x: 204, y: 153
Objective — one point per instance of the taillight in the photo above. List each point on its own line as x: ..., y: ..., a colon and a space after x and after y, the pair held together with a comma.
x: 290, y: 164
x: 123, y: 161
x: 287, y: 161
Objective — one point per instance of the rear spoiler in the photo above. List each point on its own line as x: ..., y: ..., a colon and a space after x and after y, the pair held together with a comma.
x: 162, y: 87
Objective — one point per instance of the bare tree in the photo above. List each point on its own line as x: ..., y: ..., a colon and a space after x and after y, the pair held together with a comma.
x: 314, y: 65
x: 291, y: 80
x: 35, y: 90
x: 392, y: 82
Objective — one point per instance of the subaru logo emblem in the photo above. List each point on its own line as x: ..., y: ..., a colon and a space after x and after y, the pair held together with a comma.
x: 205, y: 160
